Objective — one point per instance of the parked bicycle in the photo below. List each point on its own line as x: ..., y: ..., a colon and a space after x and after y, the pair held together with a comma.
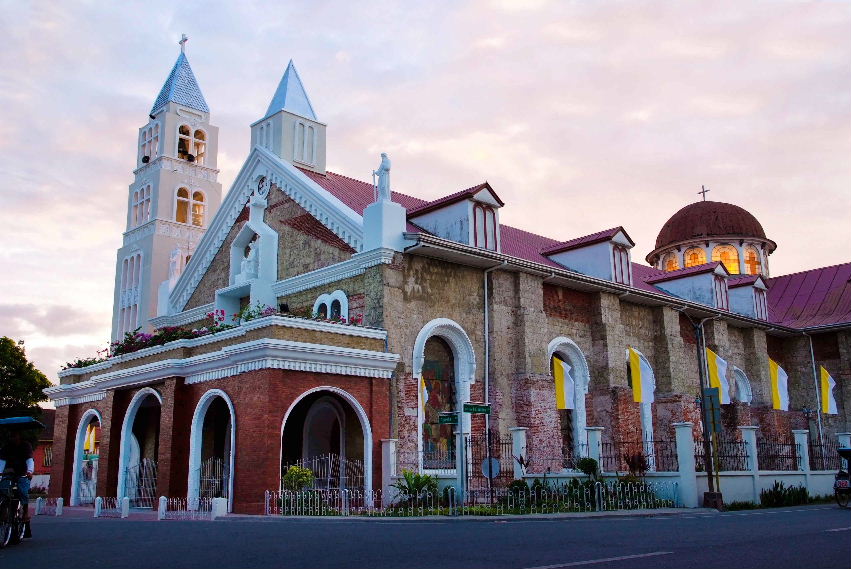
x: 16, y: 469
x: 842, y: 480
x: 12, y: 525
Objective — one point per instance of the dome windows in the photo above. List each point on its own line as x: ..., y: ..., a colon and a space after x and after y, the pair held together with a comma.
x: 694, y: 257
x: 669, y: 262
x: 728, y: 255
x: 753, y: 266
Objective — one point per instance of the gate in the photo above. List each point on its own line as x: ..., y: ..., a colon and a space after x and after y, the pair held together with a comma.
x: 478, y: 448
x: 87, y: 482
x: 330, y: 472
x: 141, y: 484
x: 214, y: 478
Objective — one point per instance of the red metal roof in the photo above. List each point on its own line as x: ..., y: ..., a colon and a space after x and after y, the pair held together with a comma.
x: 452, y: 198
x: 743, y: 280
x: 818, y: 297
x: 686, y: 272
x: 585, y: 240
x: 811, y: 298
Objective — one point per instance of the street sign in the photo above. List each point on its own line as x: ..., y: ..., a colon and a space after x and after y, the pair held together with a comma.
x: 447, y: 418
x: 490, y: 468
x: 477, y: 408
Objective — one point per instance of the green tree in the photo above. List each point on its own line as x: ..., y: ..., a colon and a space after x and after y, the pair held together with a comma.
x: 21, y: 384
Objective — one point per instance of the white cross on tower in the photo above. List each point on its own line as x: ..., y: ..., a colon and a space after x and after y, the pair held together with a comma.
x: 183, y: 39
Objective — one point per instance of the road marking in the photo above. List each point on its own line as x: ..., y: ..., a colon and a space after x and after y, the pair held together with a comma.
x: 839, y: 529
x: 606, y: 560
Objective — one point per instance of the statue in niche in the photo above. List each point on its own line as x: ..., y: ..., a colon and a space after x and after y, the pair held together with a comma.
x: 174, y: 265
x: 248, y: 265
x: 381, y: 178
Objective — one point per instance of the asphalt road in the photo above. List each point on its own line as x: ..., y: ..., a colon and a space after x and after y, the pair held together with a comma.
x: 803, y: 537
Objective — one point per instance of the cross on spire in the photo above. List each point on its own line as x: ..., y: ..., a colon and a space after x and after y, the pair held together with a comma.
x: 703, y: 191
x: 183, y: 39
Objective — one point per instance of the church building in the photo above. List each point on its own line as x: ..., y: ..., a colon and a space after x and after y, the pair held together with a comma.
x: 307, y: 317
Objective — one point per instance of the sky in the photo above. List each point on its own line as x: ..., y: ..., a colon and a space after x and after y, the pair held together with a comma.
x: 581, y: 115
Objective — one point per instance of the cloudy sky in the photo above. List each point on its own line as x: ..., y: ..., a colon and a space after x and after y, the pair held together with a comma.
x: 582, y: 116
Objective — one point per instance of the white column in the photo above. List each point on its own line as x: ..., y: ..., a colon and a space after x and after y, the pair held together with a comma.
x: 220, y: 508
x: 125, y: 507
x: 685, y: 459
x: 518, y: 450
x: 98, y: 506
x: 162, y: 507
x: 59, y: 503
x: 595, y: 444
x: 749, y: 438
x: 388, y: 469
x: 460, y: 463
x: 801, y: 436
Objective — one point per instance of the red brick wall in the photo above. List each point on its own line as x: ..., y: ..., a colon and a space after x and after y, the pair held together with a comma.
x: 260, y: 401
x: 569, y: 304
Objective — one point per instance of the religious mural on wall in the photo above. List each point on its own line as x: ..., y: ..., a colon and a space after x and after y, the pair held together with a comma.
x: 439, y: 376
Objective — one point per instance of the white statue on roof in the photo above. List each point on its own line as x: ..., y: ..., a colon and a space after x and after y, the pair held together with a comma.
x: 381, y: 178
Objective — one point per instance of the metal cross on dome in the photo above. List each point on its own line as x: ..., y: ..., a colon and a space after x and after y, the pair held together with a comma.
x: 703, y: 191
x: 183, y: 39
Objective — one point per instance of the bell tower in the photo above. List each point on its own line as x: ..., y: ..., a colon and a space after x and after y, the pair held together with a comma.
x: 290, y: 129
x: 174, y: 195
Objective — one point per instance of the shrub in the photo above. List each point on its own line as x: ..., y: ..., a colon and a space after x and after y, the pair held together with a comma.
x: 589, y: 467
x: 743, y: 505
x: 518, y: 488
x: 780, y: 495
x: 298, y: 478
x: 414, y: 485
x: 637, y: 464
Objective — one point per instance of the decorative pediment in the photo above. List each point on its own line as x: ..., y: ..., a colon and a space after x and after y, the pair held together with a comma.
x: 321, y: 204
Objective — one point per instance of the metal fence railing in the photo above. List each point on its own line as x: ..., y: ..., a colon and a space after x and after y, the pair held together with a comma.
x: 331, y: 472
x: 638, y: 457
x: 214, y: 478
x: 777, y: 454
x: 187, y: 509
x: 433, y: 462
x: 536, y: 464
x: 824, y: 456
x: 732, y: 455
x: 141, y: 484
x: 574, y: 497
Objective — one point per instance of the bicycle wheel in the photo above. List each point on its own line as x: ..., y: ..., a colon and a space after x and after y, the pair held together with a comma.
x: 842, y: 498
x: 18, y: 526
x: 5, y: 524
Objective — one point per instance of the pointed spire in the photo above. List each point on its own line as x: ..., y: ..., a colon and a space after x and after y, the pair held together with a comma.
x: 181, y: 87
x: 291, y: 96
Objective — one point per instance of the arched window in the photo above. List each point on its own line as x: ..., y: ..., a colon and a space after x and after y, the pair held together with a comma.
x: 669, y: 262
x: 336, y: 309
x: 198, y: 209
x: 741, y: 387
x: 322, y: 311
x: 141, y: 210
x: 181, y: 212
x: 438, y: 374
x: 184, y: 141
x: 620, y: 265
x: 728, y: 255
x: 199, y: 145
x: 722, y: 300
x: 484, y: 227
x: 304, y: 143
x: 184, y: 206
x: 694, y: 257
x: 128, y: 300
x: 760, y: 304
x: 752, y: 263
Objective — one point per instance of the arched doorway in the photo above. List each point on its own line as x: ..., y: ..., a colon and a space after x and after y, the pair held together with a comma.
x: 140, y: 435
x: 86, y: 453
x: 211, y: 447
x: 648, y: 377
x: 327, y: 431
x: 565, y: 354
x: 444, y: 367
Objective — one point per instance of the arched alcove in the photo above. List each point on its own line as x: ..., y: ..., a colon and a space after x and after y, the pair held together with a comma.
x: 212, y: 444
x: 137, y: 470
x: 568, y: 351
x: 85, y: 463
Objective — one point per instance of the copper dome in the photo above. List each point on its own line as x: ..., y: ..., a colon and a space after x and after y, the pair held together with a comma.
x: 708, y: 219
